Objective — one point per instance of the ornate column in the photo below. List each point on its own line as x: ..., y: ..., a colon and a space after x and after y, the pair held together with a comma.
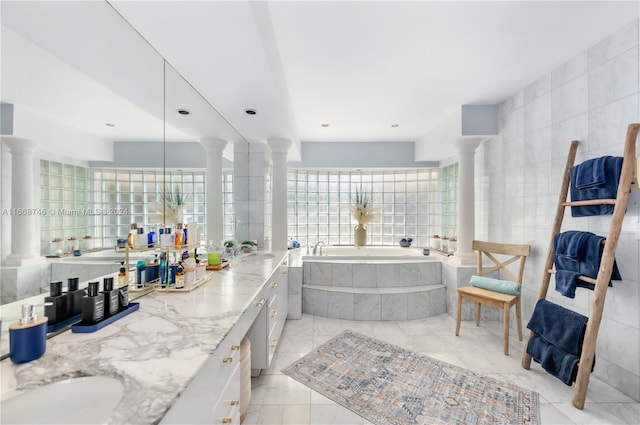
x: 466, y: 198
x: 24, y: 207
x: 279, y: 148
x: 214, y: 148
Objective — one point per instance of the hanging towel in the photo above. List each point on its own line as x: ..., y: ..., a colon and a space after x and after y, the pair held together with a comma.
x: 556, y: 362
x: 556, y: 343
x: 559, y: 326
x: 596, y: 178
x: 578, y: 253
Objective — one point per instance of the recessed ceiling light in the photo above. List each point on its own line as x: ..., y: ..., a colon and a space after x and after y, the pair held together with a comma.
x: 110, y: 124
x: 250, y: 111
x: 183, y: 112
x: 326, y: 124
x: 395, y: 125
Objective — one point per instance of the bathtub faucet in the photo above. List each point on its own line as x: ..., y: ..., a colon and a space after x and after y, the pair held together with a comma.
x: 315, y: 248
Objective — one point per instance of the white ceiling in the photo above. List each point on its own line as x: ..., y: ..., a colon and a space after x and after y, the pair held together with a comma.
x: 361, y: 66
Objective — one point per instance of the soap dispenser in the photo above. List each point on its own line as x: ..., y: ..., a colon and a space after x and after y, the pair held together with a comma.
x: 74, y: 296
x: 110, y: 297
x: 92, y: 304
x: 56, y: 304
x: 28, y: 337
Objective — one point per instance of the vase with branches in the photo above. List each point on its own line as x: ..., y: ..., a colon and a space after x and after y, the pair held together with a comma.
x: 363, y: 212
x: 171, y: 205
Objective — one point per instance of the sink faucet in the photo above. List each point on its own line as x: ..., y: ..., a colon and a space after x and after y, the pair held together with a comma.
x: 237, y: 250
x: 315, y: 248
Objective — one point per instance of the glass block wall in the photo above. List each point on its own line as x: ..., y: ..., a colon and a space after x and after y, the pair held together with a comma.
x: 449, y: 200
x: 410, y: 204
x: 103, y: 203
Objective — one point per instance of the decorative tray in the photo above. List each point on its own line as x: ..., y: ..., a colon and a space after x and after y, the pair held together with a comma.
x: 88, y: 328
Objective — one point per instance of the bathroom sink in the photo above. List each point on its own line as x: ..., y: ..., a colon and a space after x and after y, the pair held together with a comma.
x: 85, y: 400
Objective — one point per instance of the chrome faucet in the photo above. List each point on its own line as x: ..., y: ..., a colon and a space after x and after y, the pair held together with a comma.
x: 315, y: 248
x: 237, y: 250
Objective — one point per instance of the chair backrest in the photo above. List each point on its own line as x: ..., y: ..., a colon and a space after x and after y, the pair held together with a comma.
x: 515, y: 252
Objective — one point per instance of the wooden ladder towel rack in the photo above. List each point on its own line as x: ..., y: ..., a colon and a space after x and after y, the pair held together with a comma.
x: 606, y: 264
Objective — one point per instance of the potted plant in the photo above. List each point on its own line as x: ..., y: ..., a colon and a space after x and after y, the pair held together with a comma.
x: 363, y: 212
x: 228, y: 246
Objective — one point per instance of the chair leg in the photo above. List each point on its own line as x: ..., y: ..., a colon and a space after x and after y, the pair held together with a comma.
x: 519, y: 319
x: 478, y: 313
x: 505, y: 328
x: 458, y: 315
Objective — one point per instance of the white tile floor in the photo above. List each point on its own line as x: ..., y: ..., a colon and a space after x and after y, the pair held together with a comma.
x: 277, y: 399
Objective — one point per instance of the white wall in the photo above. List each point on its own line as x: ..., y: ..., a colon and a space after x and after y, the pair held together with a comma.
x: 591, y: 98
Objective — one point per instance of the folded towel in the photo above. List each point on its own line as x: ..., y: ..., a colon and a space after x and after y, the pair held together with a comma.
x: 503, y: 286
x: 596, y: 178
x: 591, y: 174
x: 556, y: 362
x: 559, y: 326
x: 578, y: 253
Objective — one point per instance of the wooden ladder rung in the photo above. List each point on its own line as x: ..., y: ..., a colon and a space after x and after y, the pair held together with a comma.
x: 590, y: 202
x: 582, y: 278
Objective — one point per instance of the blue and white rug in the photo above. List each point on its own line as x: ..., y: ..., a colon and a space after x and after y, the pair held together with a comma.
x: 389, y: 385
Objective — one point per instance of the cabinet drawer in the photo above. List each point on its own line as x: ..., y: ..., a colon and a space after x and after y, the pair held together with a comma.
x: 250, y: 314
x: 227, y: 408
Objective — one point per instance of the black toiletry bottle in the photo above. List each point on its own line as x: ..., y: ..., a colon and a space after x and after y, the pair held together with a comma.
x: 74, y: 296
x: 57, y: 311
x: 93, y: 304
x: 123, y: 297
x: 110, y: 297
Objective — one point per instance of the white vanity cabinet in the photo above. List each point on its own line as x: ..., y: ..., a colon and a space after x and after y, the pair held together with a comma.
x: 269, y: 322
x: 213, y: 396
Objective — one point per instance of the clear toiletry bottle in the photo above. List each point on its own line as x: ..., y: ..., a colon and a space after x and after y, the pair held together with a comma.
x: 110, y: 297
x: 179, y: 235
x: 93, y: 304
x: 56, y: 304
x: 122, y: 275
x: 74, y: 296
x: 180, y: 276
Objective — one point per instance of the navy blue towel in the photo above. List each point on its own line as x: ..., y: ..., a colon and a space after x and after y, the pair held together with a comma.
x: 558, y: 326
x: 556, y: 362
x: 578, y: 253
x: 556, y: 343
x: 596, y: 178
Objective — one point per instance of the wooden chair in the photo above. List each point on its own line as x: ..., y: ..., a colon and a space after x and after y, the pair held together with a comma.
x: 515, y: 253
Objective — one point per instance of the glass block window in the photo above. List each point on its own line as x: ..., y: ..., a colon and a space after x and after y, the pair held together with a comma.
x: 409, y: 203
x: 103, y: 203
x: 64, y: 200
x: 449, y: 200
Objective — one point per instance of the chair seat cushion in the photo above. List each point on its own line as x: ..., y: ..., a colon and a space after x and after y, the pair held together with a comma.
x: 497, y: 285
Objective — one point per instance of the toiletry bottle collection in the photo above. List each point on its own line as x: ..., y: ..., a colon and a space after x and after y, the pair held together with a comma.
x: 90, y: 305
x: 185, y: 272
x: 178, y: 237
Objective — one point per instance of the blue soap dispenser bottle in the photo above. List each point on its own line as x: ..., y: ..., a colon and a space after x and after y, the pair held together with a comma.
x: 28, y: 337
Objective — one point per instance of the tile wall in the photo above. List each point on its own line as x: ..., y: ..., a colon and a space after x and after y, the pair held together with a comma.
x: 591, y: 98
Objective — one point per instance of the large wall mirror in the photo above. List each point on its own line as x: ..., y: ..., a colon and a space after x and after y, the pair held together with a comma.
x: 107, y: 116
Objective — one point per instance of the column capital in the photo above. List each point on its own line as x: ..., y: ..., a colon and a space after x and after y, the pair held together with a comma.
x: 19, y: 144
x: 469, y: 143
x: 279, y: 145
x: 213, y: 145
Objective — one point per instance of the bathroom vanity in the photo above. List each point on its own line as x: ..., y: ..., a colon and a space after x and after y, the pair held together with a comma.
x: 178, y: 355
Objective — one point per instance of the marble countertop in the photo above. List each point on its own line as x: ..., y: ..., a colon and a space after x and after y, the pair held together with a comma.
x: 156, y: 350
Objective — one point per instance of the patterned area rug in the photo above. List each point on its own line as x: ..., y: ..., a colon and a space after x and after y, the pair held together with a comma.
x: 388, y: 385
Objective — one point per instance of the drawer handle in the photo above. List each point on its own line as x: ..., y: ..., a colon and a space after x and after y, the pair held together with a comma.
x: 235, y: 404
x: 261, y: 302
x: 274, y: 313
x: 234, y: 350
x: 274, y: 285
x: 274, y: 342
